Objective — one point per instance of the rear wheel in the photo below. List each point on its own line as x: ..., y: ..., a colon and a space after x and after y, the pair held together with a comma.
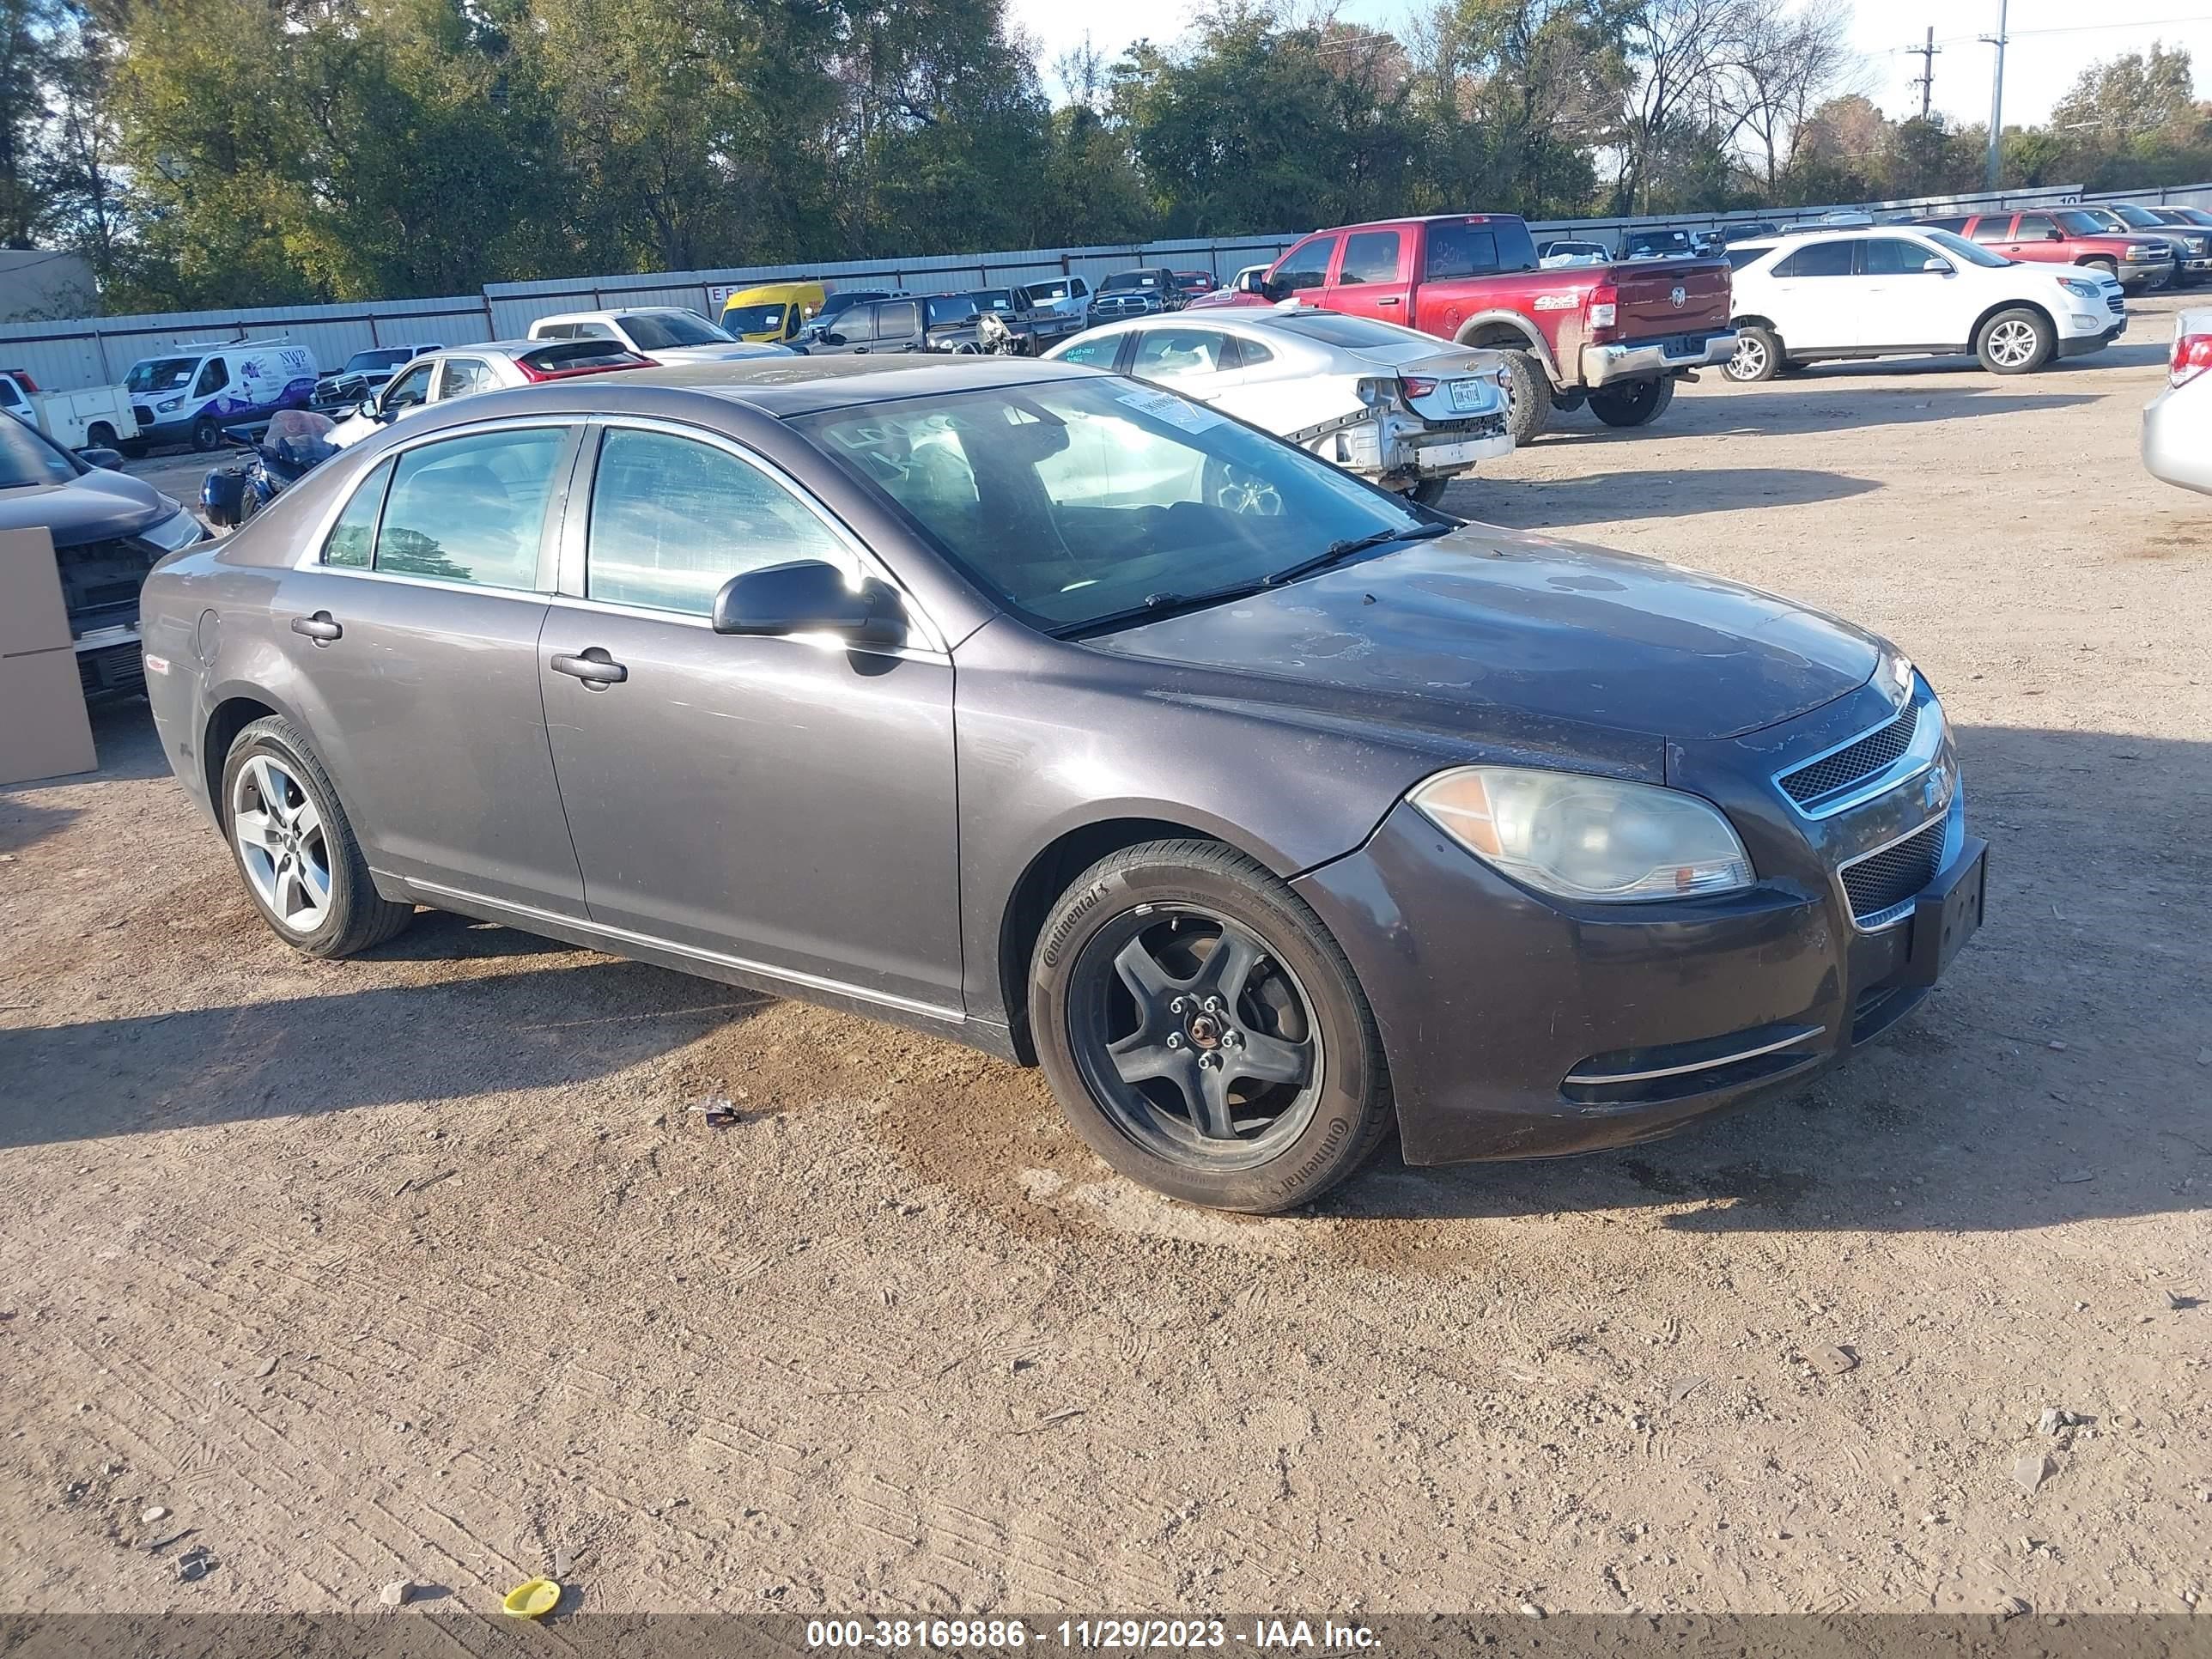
x: 296, y: 847
x: 100, y: 435
x: 1758, y: 355
x: 1204, y: 1033
x: 1635, y: 403
x: 1527, y: 396
x: 1429, y: 492
x: 2016, y: 341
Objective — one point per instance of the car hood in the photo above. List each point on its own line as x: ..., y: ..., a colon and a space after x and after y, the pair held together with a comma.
x: 92, y: 508
x: 1526, y: 626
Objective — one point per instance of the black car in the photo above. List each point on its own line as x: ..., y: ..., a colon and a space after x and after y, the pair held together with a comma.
x: 1657, y: 245
x: 108, y: 531
x: 1749, y: 231
x: 929, y: 322
x: 1136, y: 293
x: 2191, y: 244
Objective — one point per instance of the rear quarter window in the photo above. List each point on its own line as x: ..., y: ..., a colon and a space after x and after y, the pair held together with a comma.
x: 1468, y: 248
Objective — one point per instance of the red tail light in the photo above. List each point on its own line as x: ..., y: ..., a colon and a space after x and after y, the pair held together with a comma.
x: 22, y: 377
x: 1417, y: 385
x: 1604, y: 310
x: 2192, y: 356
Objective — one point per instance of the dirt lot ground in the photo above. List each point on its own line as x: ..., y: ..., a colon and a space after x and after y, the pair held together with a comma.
x: 421, y: 1265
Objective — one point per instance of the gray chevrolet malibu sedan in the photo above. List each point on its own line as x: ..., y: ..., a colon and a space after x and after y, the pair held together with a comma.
x: 1063, y: 717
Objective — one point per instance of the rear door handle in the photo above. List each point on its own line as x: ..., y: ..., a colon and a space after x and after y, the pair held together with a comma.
x: 593, y: 667
x: 1390, y: 300
x: 320, y: 628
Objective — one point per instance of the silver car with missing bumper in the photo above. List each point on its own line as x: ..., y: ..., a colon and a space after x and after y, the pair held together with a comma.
x: 2177, y: 428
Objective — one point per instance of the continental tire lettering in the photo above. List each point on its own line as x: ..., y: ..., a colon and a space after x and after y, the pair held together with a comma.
x: 1050, y: 953
x: 1330, y: 1143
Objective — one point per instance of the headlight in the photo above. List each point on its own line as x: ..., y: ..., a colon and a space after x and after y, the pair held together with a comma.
x: 180, y: 529
x: 170, y: 405
x: 1587, y: 838
x: 2087, y: 291
x: 2149, y: 251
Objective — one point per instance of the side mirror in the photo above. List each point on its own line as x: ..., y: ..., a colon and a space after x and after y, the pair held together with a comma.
x: 366, y: 409
x: 1940, y: 266
x: 99, y: 455
x: 809, y: 597
x: 1252, y: 282
x: 2054, y: 234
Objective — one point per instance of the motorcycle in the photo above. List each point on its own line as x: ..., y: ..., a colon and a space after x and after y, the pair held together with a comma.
x: 297, y: 441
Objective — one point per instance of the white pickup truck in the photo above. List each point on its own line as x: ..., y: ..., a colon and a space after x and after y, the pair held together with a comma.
x: 98, y: 418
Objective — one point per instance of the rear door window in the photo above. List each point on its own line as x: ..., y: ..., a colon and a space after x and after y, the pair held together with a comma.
x: 471, y: 509
x: 462, y: 375
x: 1372, y: 255
x: 1994, y: 227
x: 2037, y: 227
x: 1818, y: 259
x: 1460, y: 250
x: 899, y: 320
x: 672, y: 520
x: 1306, y: 266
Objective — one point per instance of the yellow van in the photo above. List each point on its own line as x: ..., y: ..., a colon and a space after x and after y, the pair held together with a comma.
x: 774, y: 312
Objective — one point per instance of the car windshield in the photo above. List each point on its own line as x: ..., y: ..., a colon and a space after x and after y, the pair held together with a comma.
x: 160, y: 373
x: 2131, y: 214
x: 26, y: 458
x: 386, y: 357
x: 1040, y: 292
x: 754, y: 319
x: 2075, y: 222
x: 1121, y: 279
x: 1958, y: 247
x: 1077, y: 501
x: 992, y: 299
x: 657, y: 331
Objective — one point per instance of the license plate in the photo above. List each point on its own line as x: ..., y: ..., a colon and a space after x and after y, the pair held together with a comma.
x: 1946, y: 916
x: 1469, y: 394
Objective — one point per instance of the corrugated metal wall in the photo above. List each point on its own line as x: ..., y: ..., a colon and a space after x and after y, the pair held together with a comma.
x: 100, y: 350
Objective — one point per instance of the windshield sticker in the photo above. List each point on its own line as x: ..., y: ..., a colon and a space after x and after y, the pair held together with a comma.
x: 1165, y: 406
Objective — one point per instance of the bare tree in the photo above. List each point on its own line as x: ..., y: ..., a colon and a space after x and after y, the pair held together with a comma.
x: 1678, y: 49
x: 1775, y: 69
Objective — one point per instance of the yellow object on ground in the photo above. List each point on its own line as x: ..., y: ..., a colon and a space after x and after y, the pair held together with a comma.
x: 532, y: 1600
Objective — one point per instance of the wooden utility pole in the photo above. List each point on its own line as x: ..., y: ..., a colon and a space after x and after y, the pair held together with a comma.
x: 1926, y: 80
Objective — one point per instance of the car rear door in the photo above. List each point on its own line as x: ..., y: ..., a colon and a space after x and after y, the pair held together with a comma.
x: 898, y: 326
x: 1813, y: 291
x: 412, y: 632
x: 1373, y: 276
x: 783, y: 803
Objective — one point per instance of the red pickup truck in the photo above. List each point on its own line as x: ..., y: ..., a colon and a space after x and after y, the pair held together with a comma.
x: 1614, y: 336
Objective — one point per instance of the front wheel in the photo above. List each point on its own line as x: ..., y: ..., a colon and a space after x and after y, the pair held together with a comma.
x: 2016, y: 341
x: 1758, y: 356
x: 1636, y: 402
x: 1429, y: 492
x: 206, y: 436
x: 1203, y: 1032
x: 295, y: 848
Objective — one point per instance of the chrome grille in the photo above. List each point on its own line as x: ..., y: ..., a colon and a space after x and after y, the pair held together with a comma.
x: 1862, y: 759
x: 1881, y: 882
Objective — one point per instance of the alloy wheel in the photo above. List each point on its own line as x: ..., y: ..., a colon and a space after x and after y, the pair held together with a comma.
x: 1749, y: 362
x: 2012, y: 343
x: 280, y: 844
x: 1195, y: 1037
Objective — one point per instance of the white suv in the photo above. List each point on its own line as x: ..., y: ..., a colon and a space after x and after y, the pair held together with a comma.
x: 1898, y: 291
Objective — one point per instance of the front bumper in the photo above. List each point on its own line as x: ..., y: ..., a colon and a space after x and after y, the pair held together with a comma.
x: 1517, y: 1026
x: 1641, y: 360
x: 2080, y: 345
x: 2147, y: 273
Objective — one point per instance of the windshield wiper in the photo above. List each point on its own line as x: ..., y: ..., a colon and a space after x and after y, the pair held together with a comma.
x: 1337, y: 552
x: 1158, y: 606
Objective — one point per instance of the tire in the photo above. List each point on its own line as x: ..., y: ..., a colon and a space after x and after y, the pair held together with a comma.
x: 1176, y: 922
x: 1527, y: 396
x: 100, y: 435
x: 2015, y: 341
x: 2110, y: 267
x: 134, y: 448
x: 1758, y: 356
x: 270, y: 760
x: 206, y: 436
x: 1429, y: 492
x: 1636, y: 402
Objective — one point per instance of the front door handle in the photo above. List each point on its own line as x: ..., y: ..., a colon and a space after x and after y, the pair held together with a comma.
x: 594, y: 667
x: 1390, y: 300
x: 320, y: 628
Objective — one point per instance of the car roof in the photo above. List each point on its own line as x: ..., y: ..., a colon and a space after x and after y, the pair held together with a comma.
x: 789, y: 385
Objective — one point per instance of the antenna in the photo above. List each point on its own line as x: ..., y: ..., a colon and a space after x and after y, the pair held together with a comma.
x: 1926, y: 79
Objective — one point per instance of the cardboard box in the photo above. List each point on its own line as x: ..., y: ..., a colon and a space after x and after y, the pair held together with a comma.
x: 45, y: 732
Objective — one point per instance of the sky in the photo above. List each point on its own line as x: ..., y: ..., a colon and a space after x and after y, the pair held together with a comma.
x: 2051, y: 40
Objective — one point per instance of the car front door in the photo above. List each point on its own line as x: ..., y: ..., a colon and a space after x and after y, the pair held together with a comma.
x: 782, y: 803
x: 1374, y: 277
x: 2035, y: 237
x: 1814, y: 289
x: 414, y: 632
x: 408, y: 391
x: 1901, y: 302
